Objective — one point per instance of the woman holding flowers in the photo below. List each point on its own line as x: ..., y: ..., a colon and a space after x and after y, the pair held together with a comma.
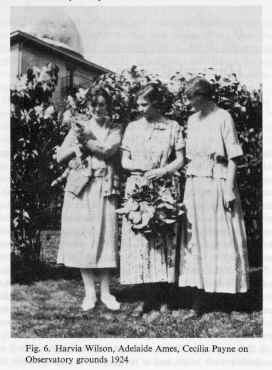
x: 89, y: 220
x: 213, y: 250
x: 147, y: 147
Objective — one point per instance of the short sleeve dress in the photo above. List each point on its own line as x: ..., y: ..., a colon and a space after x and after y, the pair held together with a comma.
x: 148, y: 260
x: 213, y: 241
x: 89, y: 223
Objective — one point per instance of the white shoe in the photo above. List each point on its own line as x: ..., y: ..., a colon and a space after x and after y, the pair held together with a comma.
x: 110, y: 302
x: 88, y: 303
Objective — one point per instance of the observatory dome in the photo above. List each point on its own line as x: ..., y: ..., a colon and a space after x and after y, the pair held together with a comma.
x: 49, y: 24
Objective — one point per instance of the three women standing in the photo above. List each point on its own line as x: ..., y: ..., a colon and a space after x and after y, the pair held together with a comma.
x: 213, y: 255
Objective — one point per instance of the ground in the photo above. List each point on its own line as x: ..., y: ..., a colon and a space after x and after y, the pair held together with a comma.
x: 51, y: 308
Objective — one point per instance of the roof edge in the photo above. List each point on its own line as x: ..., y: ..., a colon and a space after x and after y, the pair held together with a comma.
x: 71, y: 54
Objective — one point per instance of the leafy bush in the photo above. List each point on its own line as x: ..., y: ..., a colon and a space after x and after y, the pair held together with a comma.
x: 35, y: 131
x: 245, y: 108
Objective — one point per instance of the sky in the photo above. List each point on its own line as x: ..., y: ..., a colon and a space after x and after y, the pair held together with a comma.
x: 171, y: 39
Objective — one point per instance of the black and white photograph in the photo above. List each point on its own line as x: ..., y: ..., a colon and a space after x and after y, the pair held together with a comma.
x: 136, y: 183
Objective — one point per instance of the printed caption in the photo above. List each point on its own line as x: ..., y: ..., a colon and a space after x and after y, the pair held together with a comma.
x: 109, y: 354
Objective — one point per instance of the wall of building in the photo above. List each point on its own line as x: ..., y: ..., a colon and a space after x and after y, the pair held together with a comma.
x: 14, y: 61
x: 32, y: 57
x: 39, y: 57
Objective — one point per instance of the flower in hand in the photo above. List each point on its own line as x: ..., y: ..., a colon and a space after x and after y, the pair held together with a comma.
x: 152, y: 208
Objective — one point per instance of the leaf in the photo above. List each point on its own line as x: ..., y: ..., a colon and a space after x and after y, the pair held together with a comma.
x: 168, y: 206
x: 169, y: 221
x: 160, y: 205
x: 15, y: 221
x: 25, y: 214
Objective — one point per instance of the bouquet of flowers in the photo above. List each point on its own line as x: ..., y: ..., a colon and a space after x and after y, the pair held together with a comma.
x: 153, y: 208
x: 78, y: 125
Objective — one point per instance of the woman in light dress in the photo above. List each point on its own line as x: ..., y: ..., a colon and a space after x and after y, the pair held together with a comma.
x: 89, y: 229
x: 213, y: 254
x: 147, y: 146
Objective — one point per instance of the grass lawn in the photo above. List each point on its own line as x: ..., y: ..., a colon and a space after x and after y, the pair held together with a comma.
x: 51, y: 308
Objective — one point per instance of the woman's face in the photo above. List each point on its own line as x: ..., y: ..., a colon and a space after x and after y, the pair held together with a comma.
x: 145, y: 107
x: 98, y: 108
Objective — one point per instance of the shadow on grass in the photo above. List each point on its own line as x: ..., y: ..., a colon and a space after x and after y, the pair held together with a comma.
x: 23, y: 274
x: 179, y: 298
x: 182, y: 298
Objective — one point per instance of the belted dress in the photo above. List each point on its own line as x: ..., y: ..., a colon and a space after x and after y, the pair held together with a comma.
x: 213, y: 253
x: 89, y: 223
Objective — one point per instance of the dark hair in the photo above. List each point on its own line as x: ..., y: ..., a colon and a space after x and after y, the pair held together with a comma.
x: 95, y: 92
x: 151, y: 93
x: 198, y: 86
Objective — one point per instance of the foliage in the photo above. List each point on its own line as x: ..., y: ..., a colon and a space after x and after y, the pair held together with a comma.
x: 228, y: 93
x: 153, y: 207
x: 35, y: 131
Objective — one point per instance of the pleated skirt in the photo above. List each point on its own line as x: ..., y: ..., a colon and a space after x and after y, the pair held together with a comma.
x: 213, y: 253
x: 89, y: 228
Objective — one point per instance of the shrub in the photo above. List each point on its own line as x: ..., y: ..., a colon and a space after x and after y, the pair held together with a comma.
x: 245, y: 108
x: 35, y: 131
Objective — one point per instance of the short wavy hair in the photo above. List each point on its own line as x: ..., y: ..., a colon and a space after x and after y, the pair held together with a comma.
x: 198, y: 86
x: 96, y: 91
x: 152, y: 93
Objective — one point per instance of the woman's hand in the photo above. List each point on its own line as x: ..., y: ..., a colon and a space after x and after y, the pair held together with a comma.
x: 147, y: 166
x: 156, y: 173
x: 75, y: 163
x: 229, y: 199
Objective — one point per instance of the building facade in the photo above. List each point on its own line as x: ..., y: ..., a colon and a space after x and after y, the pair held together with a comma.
x: 38, y: 38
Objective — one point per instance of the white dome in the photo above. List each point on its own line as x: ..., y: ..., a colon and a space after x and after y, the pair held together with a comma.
x: 50, y: 24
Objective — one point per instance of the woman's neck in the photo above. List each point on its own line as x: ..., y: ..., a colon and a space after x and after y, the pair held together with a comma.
x: 156, y: 117
x: 99, y: 122
x: 207, y: 108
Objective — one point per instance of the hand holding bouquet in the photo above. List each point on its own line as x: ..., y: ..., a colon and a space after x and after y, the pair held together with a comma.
x: 152, y: 208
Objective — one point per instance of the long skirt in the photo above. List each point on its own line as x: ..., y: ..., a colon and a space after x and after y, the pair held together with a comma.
x: 145, y: 260
x: 89, y: 229
x: 213, y: 243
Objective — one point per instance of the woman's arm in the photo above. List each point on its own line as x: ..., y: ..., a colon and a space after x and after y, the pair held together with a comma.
x: 169, y: 168
x: 109, y: 147
x: 229, y: 196
x: 130, y: 165
x: 234, y: 151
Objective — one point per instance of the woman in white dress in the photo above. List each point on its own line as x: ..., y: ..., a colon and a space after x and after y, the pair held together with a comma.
x: 89, y: 222
x: 147, y: 146
x: 213, y: 254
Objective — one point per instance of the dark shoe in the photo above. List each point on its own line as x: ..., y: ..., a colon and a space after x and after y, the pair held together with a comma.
x: 164, y: 310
